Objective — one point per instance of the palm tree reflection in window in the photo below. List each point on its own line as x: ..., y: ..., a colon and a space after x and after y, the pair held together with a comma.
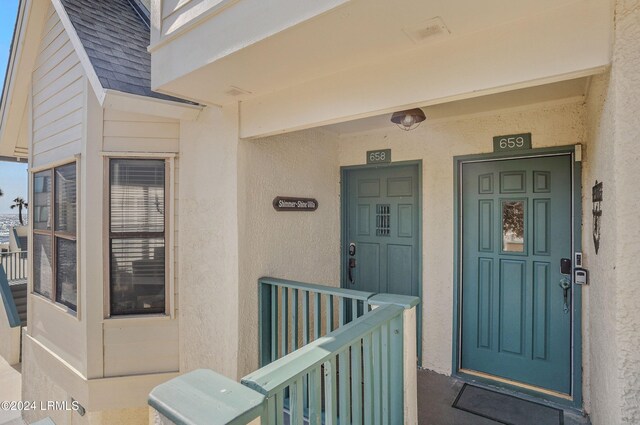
x: 513, y: 226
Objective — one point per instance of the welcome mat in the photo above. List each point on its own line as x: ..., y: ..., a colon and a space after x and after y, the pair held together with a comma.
x: 505, y: 408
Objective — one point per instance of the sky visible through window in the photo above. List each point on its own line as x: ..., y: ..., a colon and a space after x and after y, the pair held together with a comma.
x: 13, y: 177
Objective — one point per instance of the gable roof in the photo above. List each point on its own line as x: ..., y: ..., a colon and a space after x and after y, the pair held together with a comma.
x: 115, y: 35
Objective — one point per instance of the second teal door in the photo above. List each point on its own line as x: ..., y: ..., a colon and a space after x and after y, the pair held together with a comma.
x: 516, y: 227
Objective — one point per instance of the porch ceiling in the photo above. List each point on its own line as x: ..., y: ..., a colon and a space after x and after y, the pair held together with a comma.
x: 569, y: 90
x: 356, y: 33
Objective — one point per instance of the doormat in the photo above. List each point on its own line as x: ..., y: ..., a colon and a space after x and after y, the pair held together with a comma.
x: 505, y: 408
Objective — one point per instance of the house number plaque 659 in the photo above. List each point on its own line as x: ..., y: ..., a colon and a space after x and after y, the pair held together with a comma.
x: 512, y: 142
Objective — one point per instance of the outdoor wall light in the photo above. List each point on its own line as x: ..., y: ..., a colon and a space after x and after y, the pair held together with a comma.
x: 409, y: 119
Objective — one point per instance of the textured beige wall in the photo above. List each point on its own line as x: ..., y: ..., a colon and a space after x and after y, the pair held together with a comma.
x: 208, y: 242
x: 613, y: 110
x: 599, y: 329
x: 436, y: 143
x: 301, y: 246
x: 626, y: 70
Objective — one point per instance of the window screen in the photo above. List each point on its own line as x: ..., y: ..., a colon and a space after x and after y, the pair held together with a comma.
x: 66, y: 273
x: 137, y: 236
x: 54, y: 235
x: 66, y: 198
x: 41, y: 200
x: 42, y: 265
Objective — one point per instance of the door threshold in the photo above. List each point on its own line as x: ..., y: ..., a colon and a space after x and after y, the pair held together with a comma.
x: 517, y: 384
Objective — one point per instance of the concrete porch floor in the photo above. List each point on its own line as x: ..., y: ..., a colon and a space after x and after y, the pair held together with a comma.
x: 10, y: 390
x: 436, y: 394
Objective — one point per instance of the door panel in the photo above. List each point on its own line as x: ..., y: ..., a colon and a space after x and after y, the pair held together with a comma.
x: 516, y: 226
x: 382, y: 221
x: 367, y: 270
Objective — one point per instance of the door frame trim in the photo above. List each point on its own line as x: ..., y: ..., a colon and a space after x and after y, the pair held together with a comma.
x: 575, y: 400
x: 344, y: 170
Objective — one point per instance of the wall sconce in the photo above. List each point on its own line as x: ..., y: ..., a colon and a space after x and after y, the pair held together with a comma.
x: 409, y: 119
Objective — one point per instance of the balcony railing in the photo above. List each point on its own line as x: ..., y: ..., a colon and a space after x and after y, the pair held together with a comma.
x: 8, y: 300
x: 15, y: 264
x: 360, y: 367
x: 294, y: 313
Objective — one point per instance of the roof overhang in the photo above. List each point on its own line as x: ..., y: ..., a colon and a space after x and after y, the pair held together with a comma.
x: 243, y: 51
x: 13, y: 105
x: 14, y: 111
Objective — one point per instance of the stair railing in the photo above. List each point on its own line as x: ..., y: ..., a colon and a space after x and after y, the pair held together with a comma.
x: 362, y: 372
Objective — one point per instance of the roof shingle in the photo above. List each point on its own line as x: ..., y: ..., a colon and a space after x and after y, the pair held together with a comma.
x: 115, y: 38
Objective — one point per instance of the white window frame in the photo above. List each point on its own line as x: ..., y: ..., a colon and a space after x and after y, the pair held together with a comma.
x: 55, y: 235
x: 169, y: 160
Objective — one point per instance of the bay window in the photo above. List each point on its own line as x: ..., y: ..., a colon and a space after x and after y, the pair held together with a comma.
x: 137, y: 224
x: 54, y: 235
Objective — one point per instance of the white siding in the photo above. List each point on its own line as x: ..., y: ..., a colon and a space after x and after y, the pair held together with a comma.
x: 131, y: 132
x: 57, y: 104
x: 58, y: 96
x: 139, y: 346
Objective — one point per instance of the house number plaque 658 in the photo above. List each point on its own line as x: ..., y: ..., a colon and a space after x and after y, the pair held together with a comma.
x: 379, y: 156
x: 512, y: 142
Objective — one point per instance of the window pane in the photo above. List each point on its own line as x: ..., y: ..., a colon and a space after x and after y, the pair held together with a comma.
x: 513, y: 226
x: 42, y: 261
x: 66, y: 276
x: 137, y: 276
x: 42, y: 200
x: 66, y: 198
x: 137, y: 195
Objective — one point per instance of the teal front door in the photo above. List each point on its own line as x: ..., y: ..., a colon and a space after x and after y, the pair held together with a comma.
x: 381, y: 250
x: 516, y: 228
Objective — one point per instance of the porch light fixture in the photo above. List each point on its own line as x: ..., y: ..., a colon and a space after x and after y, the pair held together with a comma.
x: 409, y: 119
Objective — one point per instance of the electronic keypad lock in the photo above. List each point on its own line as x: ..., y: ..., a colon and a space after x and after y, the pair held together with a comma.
x: 352, y: 249
x: 565, y: 266
x: 580, y: 276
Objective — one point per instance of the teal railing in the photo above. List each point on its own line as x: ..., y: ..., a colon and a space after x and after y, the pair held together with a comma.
x: 354, y: 374
x: 15, y: 264
x: 294, y: 313
x: 344, y: 377
x: 8, y: 302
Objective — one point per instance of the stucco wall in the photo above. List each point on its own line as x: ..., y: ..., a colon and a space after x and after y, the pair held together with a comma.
x: 208, y: 242
x: 626, y: 66
x: 599, y: 329
x: 613, y: 109
x: 436, y: 143
x: 303, y: 246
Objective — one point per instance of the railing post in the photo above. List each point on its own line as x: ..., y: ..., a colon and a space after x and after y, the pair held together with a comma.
x: 205, y: 397
x: 403, y: 346
x: 264, y: 323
